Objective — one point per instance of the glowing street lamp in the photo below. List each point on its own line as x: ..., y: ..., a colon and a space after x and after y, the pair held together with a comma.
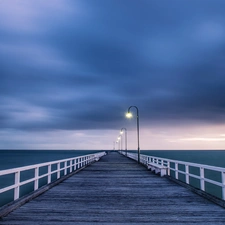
x: 121, y: 132
x: 129, y: 115
x: 119, y: 141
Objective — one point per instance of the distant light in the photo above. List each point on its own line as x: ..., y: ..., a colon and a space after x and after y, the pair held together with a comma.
x: 118, y: 138
x: 129, y: 115
x: 121, y: 132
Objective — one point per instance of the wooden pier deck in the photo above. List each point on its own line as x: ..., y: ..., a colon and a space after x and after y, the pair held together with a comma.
x: 116, y: 190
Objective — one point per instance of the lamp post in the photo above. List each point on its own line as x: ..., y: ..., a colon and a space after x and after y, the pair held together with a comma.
x: 119, y: 142
x: 121, y: 132
x: 129, y: 115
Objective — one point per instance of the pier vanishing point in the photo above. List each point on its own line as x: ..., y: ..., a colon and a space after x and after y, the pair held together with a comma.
x: 114, y: 190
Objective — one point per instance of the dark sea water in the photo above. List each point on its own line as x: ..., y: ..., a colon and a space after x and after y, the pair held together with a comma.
x: 207, y: 157
x: 17, y: 158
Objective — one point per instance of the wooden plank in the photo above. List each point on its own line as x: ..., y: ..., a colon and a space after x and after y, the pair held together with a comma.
x: 5, y: 210
x: 117, y: 190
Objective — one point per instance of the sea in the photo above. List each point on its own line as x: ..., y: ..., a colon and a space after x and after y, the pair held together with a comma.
x: 17, y: 158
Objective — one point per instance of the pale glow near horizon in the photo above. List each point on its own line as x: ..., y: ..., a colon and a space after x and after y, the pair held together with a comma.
x: 191, y: 137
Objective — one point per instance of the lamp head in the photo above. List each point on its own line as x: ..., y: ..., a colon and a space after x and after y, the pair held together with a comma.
x: 121, y: 132
x: 129, y: 115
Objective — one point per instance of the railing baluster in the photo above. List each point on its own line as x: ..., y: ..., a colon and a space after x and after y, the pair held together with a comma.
x: 176, y: 170
x: 223, y: 183
x: 65, y: 167
x: 17, y: 188
x: 187, y: 174
x: 79, y: 163
x: 36, y: 171
x: 58, y: 170
x: 168, y: 165
x: 49, y: 174
x: 71, y: 164
x: 202, y: 176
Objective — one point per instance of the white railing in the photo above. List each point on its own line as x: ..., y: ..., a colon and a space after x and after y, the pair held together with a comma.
x: 182, y: 167
x: 66, y: 165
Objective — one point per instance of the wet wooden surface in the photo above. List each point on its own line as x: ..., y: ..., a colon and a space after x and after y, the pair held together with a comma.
x: 117, y: 190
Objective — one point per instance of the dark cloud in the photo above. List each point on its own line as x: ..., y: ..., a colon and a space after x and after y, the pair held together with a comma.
x: 82, y: 66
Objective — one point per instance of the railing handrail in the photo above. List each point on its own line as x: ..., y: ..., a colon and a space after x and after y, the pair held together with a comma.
x: 33, y: 166
x: 74, y: 164
x: 145, y: 159
x: 216, y: 168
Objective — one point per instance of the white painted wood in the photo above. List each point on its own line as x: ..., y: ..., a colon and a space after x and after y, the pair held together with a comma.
x: 58, y: 170
x: 187, y: 174
x: 201, y: 167
x: 223, y: 183
x: 17, y: 187
x: 78, y: 162
x: 36, y: 178
x: 202, y: 181
x: 49, y: 174
x: 162, y: 170
x: 176, y: 170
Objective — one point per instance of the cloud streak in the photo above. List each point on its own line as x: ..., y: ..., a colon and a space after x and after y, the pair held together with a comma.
x: 78, y: 65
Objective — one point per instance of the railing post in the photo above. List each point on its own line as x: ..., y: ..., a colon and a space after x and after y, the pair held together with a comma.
x: 202, y: 182
x: 36, y: 170
x: 71, y: 164
x: 78, y: 163
x: 49, y: 174
x: 58, y: 170
x: 223, y: 183
x: 187, y: 174
x: 168, y: 166
x: 176, y: 171
x: 17, y: 188
x: 65, y: 169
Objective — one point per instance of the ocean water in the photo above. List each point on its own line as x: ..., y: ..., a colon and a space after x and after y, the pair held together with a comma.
x: 207, y: 157
x: 17, y: 158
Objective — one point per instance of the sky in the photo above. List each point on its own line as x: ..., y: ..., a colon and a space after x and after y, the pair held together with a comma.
x: 69, y: 70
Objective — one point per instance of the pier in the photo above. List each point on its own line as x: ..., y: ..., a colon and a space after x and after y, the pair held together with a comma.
x: 117, y: 190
